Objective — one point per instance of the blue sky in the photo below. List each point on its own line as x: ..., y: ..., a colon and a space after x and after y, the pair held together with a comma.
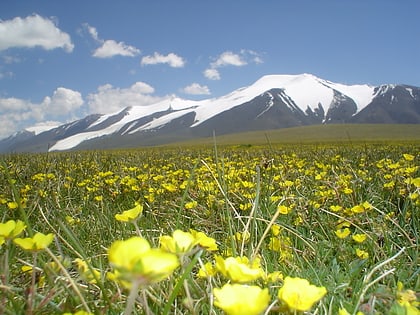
x: 62, y: 60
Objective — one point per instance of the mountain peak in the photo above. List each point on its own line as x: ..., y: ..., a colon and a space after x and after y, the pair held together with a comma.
x: 273, y: 101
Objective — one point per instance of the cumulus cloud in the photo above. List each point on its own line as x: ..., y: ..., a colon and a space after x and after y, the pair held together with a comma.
x: 212, y: 74
x: 196, y: 89
x: 110, y: 99
x: 171, y: 59
x: 62, y: 102
x: 229, y: 58
x: 17, y: 114
x: 110, y: 48
x: 33, y: 31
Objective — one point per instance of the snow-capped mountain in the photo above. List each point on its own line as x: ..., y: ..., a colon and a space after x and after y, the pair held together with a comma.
x: 274, y: 101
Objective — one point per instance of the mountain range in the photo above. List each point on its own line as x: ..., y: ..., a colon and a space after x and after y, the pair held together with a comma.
x: 272, y: 102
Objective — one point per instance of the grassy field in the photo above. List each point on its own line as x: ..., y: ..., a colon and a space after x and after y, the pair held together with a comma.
x: 247, y: 229
x: 343, y: 134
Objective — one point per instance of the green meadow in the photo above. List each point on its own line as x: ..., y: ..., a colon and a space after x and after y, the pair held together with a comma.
x: 310, y: 220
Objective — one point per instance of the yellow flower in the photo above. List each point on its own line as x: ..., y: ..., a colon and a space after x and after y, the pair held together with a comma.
x: 38, y: 242
x: 207, y: 270
x: 134, y: 260
x: 358, y: 209
x: 273, y: 277
x: 407, y: 299
x: 238, y: 269
x: 12, y: 205
x: 276, y: 229
x: 237, y: 299
x: 180, y: 242
x: 348, y: 191
x: 11, y: 229
x: 359, y: 238
x: 361, y: 253
x: 130, y: 215
x: 336, y: 208
x: 343, y: 311
x: 408, y: 157
x: 191, y: 205
x: 204, y: 241
x: 283, y: 209
x: 299, y: 294
x: 342, y: 233
x: 242, y: 237
x: 87, y: 274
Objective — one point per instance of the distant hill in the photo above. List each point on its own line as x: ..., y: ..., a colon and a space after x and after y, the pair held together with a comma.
x: 273, y: 102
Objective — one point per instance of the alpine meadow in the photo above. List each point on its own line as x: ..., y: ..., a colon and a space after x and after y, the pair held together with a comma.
x: 315, y: 228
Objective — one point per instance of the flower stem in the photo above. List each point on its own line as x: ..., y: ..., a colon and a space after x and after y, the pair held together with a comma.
x: 132, y: 298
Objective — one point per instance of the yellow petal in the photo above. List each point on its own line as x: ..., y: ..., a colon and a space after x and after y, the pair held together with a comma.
x: 299, y: 294
x: 236, y: 299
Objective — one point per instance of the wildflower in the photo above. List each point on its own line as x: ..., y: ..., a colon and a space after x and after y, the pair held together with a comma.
x: 11, y: 229
x: 343, y: 311
x: 342, y: 233
x: 12, y: 205
x: 348, y: 191
x: 276, y: 229
x: 408, y: 157
x: 299, y: 294
x: 134, y: 260
x: 180, y: 242
x: 358, y: 209
x: 87, y: 274
x: 207, y: 270
x: 72, y: 221
x: 242, y: 237
x: 283, y: 209
x: 38, y: 242
x: 169, y: 187
x: 204, y: 241
x: 336, y: 208
x: 191, y: 205
x: 238, y: 269
x: 367, y: 205
x: 362, y: 254
x: 237, y: 299
x: 130, y: 215
x: 273, y: 277
x: 359, y: 238
x: 407, y: 299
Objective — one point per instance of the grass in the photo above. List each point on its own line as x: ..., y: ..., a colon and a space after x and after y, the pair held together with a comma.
x: 343, y: 134
x: 344, y: 217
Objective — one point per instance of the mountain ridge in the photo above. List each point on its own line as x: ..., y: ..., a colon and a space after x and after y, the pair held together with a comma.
x: 272, y: 102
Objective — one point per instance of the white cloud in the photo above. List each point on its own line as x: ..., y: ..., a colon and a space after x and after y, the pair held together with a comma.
x: 196, y: 89
x: 33, y: 31
x: 212, y: 74
x: 228, y: 58
x: 108, y: 99
x: 92, y: 31
x: 17, y: 114
x: 171, y: 59
x: 62, y: 102
x: 111, y: 48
